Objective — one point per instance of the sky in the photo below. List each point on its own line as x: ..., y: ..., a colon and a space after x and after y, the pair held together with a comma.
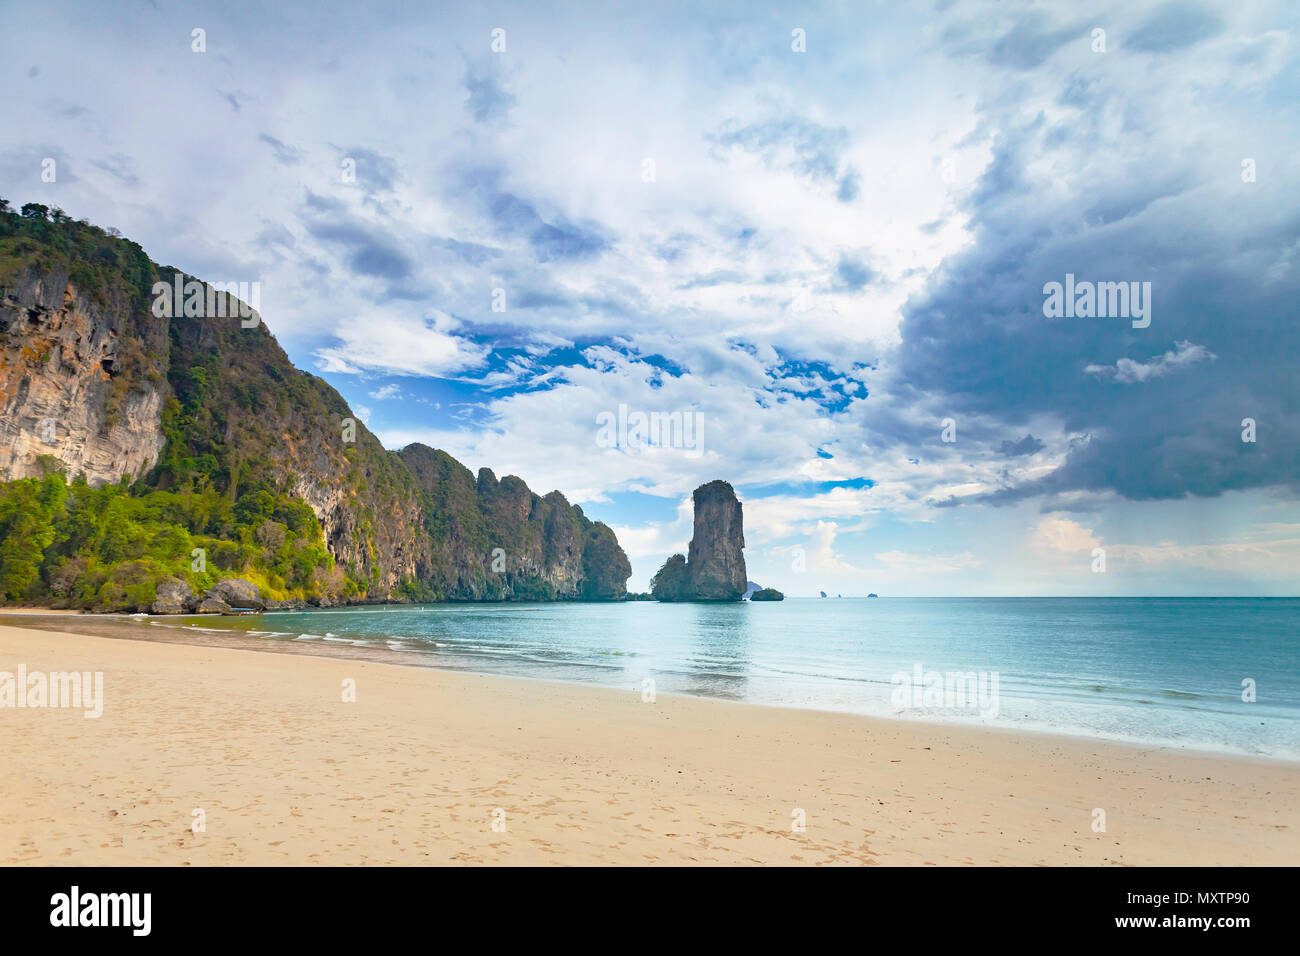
x: 822, y: 236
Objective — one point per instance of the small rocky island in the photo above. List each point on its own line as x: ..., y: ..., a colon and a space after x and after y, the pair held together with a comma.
x: 714, y: 569
x: 767, y: 594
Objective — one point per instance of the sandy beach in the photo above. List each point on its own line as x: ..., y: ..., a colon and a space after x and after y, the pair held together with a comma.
x: 418, y: 768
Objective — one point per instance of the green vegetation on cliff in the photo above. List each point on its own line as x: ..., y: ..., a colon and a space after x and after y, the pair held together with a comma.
x: 672, y: 582
x: 107, y: 548
x: 262, y: 466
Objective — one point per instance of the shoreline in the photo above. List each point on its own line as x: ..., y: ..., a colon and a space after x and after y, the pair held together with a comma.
x: 119, y: 626
x: 413, y: 771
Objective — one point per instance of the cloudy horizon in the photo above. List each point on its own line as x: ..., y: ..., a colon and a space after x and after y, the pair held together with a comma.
x: 821, y: 234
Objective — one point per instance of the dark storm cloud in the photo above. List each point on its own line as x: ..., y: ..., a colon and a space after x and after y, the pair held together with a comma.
x: 979, y: 339
x: 1029, y: 445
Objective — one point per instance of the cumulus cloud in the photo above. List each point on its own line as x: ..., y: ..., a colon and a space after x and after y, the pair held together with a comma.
x: 398, y: 344
x: 1065, y: 535
x: 1128, y: 372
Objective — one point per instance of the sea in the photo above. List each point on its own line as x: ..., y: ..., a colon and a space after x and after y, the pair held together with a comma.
x: 1205, y: 674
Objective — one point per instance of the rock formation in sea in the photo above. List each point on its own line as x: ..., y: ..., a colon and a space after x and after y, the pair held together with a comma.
x: 714, y: 567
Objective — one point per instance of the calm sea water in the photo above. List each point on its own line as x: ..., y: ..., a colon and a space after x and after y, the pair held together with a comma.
x: 1157, y: 670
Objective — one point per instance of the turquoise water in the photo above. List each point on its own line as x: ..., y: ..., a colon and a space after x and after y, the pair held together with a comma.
x: 1156, y: 670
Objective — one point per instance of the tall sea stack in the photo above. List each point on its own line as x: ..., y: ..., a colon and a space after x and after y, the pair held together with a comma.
x: 715, y: 567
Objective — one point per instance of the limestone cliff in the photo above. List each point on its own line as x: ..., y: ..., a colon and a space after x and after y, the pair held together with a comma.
x: 72, y: 383
x: 714, y: 567
x: 497, y: 540
x: 92, y: 380
x: 716, y: 559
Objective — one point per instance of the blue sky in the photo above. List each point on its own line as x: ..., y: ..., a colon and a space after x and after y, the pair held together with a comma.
x: 821, y: 256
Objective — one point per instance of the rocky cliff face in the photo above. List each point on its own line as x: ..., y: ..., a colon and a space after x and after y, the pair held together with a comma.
x: 716, y: 560
x: 93, y: 380
x: 497, y: 540
x: 67, y: 391
x: 714, y: 568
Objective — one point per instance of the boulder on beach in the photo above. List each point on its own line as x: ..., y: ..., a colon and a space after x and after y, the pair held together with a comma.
x: 236, y: 592
x: 172, y: 596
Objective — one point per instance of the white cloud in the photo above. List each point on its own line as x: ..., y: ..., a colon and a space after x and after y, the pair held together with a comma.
x: 1128, y: 372
x: 396, y: 344
x: 1064, y: 535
